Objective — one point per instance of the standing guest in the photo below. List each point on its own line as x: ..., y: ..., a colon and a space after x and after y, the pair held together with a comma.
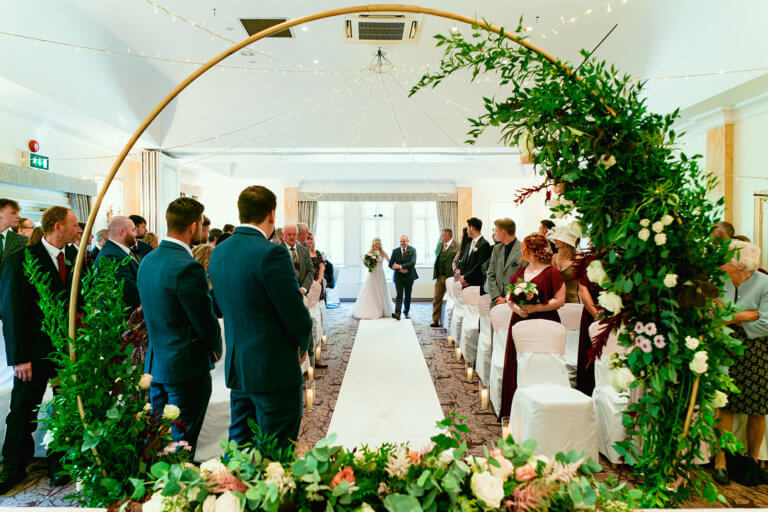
x: 222, y: 238
x: 303, y: 232
x: 445, y: 253
x: 25, y: 227
x: 184, y: 334
x: 101, y: 238
x: 748, y: 290
x: 206, y: 230
x: 504, y: 261
x: 228, y: 228
x: 268, y: 327
x: 141, y: 249
x: 551, y: 288
x: 564, y: 259
x: 723, y: 231
x: 299, y: 256
x: 151, y: 239
x: 9, y: 241
x: 277, y: 236
x: 28, y: 348
x: 214, y: 235
x: 545, y: 229
x: 122, y: 236
x: 403, y: 262
x: 202, y: 253
x: 478, y: 252
x: 37, y: 235
x: 463, y: 246
x: 318, y: 261
x: 588, y: 293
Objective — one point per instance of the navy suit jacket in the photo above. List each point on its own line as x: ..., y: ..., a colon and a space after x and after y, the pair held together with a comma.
x: 265, y: 319
x: 184, y: 334
x: 407, y: 261
x: 127, y: 272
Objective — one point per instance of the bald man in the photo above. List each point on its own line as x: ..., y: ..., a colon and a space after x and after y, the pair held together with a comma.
x: 121, y: 233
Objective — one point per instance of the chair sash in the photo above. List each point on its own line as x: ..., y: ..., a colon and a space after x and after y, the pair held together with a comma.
x: 570, y: 316
x: 501, y: 316
x: 484, y: 305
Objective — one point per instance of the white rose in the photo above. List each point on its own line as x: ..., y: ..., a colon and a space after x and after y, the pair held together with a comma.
x: 699, y: 364
x: 171, y: 412
x: 660, y: 239
x: 155, y: 503
x: 228, y: 502
x: 610, y: 301
x: 645, y: 223
x: 596, y: 273
x: 667, y: 220
x: 691, y: 342
x: 445, y: 458
x: 366, y: 508
x: 658, y: 226
x: 719, y: 400
x: 209, y: 505
x: 644, y: 234
x: 274, y: 471
x: 212, y: 466
x: 147, y: 407
x: 504, y: 469
x: 488, y: 489
x: 670, y: 280
x: 621, y: 379
x: 477, y: 463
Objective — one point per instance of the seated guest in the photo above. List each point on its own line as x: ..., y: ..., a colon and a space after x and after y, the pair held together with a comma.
x: 748, y: 290
x: 141, y: 248
x: 723, y: 231
x: 268, y: 327
x: 9, y: 241
x: 551, y: 287
x: 214, y: 235
x: 564, y: 259
x: 28, y: 348
x: 37, y: 235
x: 101, y: 238
x: 122, y: 236
x: 504, y: 261
x: 25, y: 227
x: 184, y: 334
x: 475, y: 256
x: 151, y: 240
x: 318, y: 261
x: 228, y: 228
x: 588, y: 292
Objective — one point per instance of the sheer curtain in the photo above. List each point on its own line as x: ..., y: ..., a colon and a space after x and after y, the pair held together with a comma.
x: 448, y: 215
x: 308, y: 214
x: 81, y: 204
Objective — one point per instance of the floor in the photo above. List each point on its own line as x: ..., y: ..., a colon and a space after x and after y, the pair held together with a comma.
x: 453, y: 392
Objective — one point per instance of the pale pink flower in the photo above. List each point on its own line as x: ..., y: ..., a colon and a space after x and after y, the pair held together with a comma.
x: 650, y: 329
x: 643, y: 343
x: 659, y: 341
x: 639, y: 328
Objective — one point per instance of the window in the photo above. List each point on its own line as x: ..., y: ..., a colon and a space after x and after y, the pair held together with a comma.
x: 378, y: 222
x: 329, y: 238
x: 425, y: 231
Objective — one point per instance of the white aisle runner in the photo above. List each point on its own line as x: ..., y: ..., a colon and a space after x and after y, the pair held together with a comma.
x: 387, y: 393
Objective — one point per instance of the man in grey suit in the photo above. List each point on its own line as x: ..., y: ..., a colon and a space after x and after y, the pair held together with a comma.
x: 505, y: 259
x: 302, y: 263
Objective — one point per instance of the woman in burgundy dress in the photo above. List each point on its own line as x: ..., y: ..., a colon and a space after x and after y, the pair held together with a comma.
x: 588, y: 291
x: 551, y: 286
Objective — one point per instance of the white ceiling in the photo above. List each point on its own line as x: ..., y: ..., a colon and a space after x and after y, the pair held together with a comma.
x: 320, y: 115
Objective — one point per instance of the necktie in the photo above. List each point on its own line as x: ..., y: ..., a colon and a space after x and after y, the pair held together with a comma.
x: 62, y: 267
x: 295, y: 261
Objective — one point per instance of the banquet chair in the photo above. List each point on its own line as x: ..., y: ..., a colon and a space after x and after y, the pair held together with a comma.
x: 470, y: 325
x: 501, y: 316
x: 609, y: 403
x: 448, y: 302
x: 314, y: 306
x: 545, y: 407
x: 570, y: 317
x: 484, y: 340
x: 458, y: 312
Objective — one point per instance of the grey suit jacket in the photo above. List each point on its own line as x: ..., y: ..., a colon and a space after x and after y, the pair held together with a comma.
x: 14, y: 242
x: 306, y: 269
x: 501, y: 271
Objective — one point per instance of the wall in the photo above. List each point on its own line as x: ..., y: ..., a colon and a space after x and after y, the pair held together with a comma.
x: 750, y: 170
x: 494, y: 200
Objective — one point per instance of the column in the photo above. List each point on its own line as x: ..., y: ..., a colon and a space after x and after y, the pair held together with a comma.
x: 720, y: 158
x: 291, y: 199
x: 464, y: 198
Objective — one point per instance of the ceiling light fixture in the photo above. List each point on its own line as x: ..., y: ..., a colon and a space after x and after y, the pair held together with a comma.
x: 230, y: 28
x: 315, y: 61
x: 247, y: 53
x: 304, y: 28
x: 454, y: 29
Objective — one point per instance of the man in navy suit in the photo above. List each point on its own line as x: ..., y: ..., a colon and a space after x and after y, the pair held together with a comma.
x: 268, y: 327
x: 184, y: 334
x: 121, y: 237
x: 403, y: 262
x: 141, y: 249
x: 477, y: 254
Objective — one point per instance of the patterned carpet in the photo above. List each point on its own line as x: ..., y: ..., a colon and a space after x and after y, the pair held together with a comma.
x: 455, y: 394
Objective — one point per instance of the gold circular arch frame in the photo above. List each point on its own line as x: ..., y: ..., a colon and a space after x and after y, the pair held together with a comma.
x: 211, y: 63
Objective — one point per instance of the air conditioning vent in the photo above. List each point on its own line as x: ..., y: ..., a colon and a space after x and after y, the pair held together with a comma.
x: 382, y: 28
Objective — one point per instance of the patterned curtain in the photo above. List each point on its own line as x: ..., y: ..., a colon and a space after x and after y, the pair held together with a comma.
x: 448, y: 215
x: 81, y: 204
x: 308, y: 214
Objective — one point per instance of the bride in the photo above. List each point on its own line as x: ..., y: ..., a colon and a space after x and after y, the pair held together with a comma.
x: 374, y: 300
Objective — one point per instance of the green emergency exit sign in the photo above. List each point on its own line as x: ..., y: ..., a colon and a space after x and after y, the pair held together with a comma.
x: 38, y: 161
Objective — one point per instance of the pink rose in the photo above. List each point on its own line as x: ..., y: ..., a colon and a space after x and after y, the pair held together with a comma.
x: 525, y: 472
x: 145, y: 381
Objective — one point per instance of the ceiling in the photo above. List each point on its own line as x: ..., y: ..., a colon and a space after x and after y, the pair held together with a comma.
x: 311, y: 97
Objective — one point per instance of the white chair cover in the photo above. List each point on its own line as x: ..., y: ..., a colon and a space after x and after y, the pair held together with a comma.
x: 545, y: 407
x: 457, y: 318
x: 570, y: 317
x: 448, y: 303
x: 501, y: 316
x: 314, y: 293
x: 315, y: 312
x: 484, y: 340
x: 470, y: 325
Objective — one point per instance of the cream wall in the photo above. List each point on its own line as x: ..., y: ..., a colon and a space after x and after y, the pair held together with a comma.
x: 750, y: 169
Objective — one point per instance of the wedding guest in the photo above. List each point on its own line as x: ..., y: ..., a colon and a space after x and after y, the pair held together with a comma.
x: 545, y: 229
x: 9, y: 241
x: 228, y: 228
x: 445, y: 253
x: 122, y: 236
x: 206, y: 230
x: 184, y: 334
x: 101, y: 238
x: 222, y: 238
x: 564, y: 259
x: 277, y: 236
x: 141, y: 249
x: 27, y: 346
x: 748, y: 290
x: 478, y: 252
x: 303, y: 231
x: 588, y: 292
x: 25, y: 227
x: 723, y: 231
x: 504, y: 261
x: 551, y: 288
x: 403, y: 262
x: 202, y: 253
x: 299, y: 256
x: 151, y: 239
x: 37, y: 235
x: 214, y: 235
x: 268, y: 327
x: 461, y: 249
x: 318, y: 261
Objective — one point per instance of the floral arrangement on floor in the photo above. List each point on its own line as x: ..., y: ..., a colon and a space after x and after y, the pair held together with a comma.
x: 523, y: 292
x: 370, y: 261
x: 609, y: 163
x: 393, y: 478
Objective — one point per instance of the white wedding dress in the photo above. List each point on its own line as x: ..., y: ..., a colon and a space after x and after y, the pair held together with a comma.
x: 374, y: 300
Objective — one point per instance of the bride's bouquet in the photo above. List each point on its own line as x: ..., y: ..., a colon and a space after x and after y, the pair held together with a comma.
x: 523, y: 292
x: 370, y: 261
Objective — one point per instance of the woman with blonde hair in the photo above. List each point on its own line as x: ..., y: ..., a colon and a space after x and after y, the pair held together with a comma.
x: 374, y: 300
x: 151, y: 239
x: 564, y: 259
x: 202, y: 253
